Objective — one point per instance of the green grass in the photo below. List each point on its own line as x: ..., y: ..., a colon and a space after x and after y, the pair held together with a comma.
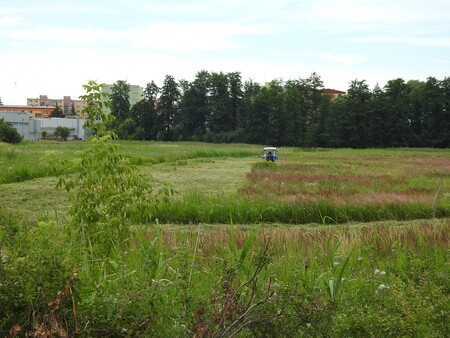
x: 29, y: 160
x: 326, y: 243
x: 389, y: 277
x: 218, y: 182
x: 208, y: 176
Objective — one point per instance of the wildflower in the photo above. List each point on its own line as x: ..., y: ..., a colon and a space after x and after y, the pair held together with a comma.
x: 376, y: 272
x: 383, y: 287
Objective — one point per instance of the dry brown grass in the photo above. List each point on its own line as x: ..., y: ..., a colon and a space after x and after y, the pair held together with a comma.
x: 374, y: 180
x: 213, y: 241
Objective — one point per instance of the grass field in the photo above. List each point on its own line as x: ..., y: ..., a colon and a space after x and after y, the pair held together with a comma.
x: 325, y: 243
x: 333, y: 185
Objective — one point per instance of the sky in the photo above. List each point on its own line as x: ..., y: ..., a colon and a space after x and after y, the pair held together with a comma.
x: 52, y: 48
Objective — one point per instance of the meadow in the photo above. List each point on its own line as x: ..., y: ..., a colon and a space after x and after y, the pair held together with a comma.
x: 325, y: 242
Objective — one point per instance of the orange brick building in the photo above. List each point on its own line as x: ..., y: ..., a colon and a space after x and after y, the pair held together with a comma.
x: 33, y: 112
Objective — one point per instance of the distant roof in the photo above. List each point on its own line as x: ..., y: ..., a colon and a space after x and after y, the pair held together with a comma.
x: 21, y: 106
x: 332, y: 91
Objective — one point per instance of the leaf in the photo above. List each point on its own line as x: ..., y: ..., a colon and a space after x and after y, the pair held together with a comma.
x: 15, y: 330
x: 247, y: 245
x: 331, y: 288
x: 233, y: 244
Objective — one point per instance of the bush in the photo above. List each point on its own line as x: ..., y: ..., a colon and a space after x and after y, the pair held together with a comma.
x: 62, y: 133
x: 8, y: 134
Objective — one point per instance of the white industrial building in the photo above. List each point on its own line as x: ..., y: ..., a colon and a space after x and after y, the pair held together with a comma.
x: 31, y: 129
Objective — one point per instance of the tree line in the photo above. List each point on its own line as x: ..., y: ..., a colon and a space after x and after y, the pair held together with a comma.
x: 222, y: 108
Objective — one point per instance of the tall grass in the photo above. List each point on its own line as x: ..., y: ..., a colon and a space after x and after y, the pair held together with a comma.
x: 195, y: 207
x: 334, y: 281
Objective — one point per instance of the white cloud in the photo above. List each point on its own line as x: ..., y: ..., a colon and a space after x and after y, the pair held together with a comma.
x: 360, y: 16
x: 193, y: 36
x: 9, y: 21
x: 411, y: 40
x: 49, y: 48
x: 39, y: 7
x: 166, y: 36
x: 344, y: 59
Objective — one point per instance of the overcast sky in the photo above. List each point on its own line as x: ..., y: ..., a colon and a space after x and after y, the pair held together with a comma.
x: 50, y: 47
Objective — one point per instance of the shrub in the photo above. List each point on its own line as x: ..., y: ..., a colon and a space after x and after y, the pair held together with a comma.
x: 62, y: 133
x: 108, y: 193
x: 8, y: 134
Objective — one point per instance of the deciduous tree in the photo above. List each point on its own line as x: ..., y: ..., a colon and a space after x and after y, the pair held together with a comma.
x: 62, y: 133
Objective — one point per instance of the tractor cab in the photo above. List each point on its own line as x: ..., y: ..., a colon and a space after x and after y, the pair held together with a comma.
x: 270, y: 154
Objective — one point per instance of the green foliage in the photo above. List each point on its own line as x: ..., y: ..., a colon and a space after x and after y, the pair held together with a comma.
x: 97, y: 121
x: 57, y: 112
x: 8, y: 134
x: 136, y: 277
x: 167, y: 109
x: 44, y: 252
x: 242, y: 296
x: 127, y: 129
x: 241, y: 281
x: 217, y: 208
x: 333, y: 281
x: 107, y: 193
x: 62, y: 133
x: 120, y: 100
x: 265, y: 165
x: 218, y: 107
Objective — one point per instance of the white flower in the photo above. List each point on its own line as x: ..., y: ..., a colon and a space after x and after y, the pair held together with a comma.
x: 383, y: 286
x: 376, y: 272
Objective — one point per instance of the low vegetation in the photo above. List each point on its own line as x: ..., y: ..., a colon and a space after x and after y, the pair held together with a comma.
x: 147, y: 239
x: 354, y: 280
x: 8, y: 134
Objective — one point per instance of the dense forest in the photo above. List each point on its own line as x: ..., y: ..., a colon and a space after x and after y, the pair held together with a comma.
x: 221, y: 107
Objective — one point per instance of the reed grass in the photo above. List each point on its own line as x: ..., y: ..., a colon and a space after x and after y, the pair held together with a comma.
x: 179, y: 280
